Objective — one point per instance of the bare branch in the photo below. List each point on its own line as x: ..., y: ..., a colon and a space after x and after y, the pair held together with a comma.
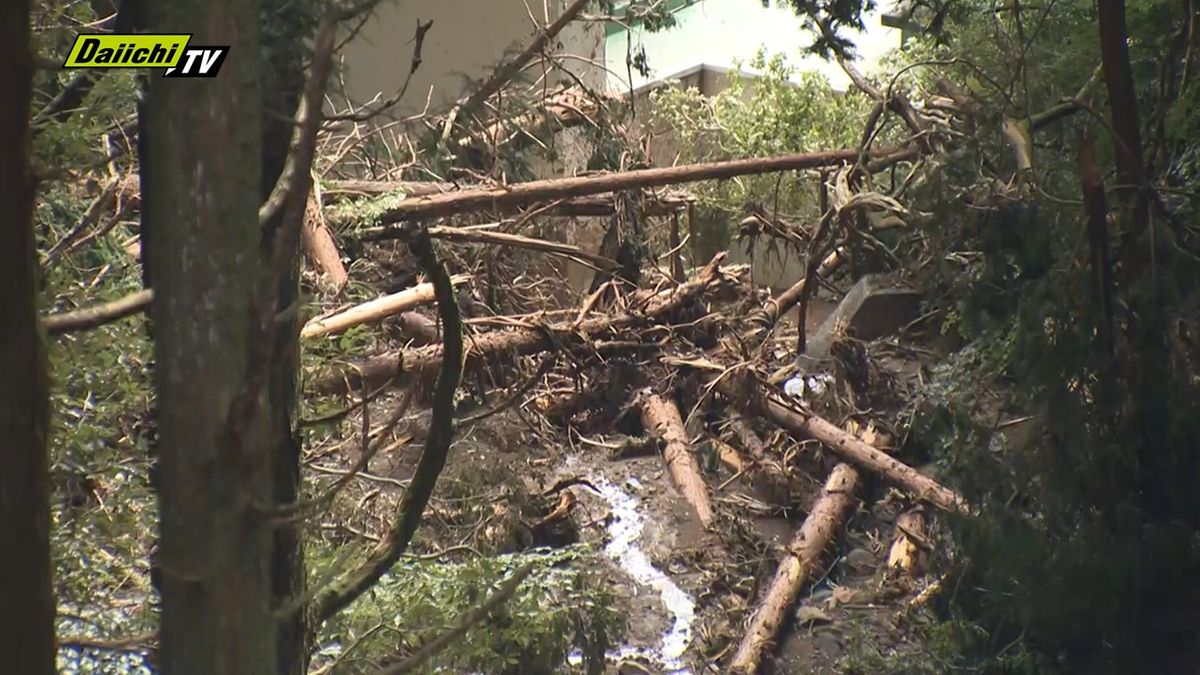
x: 98, y: 315
x: 338, y: 595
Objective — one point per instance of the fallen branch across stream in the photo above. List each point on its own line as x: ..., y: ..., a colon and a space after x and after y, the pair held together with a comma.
x: 661, y: 417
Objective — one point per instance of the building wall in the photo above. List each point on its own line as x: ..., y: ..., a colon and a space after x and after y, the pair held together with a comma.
x: 724, y: 32
x: 467, y: 39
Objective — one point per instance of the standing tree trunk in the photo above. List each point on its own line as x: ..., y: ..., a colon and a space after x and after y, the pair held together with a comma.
x: 286, y: 25
x: 1122, y: 97
x: 27, y: 626
x: 204, y: 140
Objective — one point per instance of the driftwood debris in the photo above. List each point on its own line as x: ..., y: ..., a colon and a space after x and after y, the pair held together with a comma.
x: 796, y: 568
x: 759, y: 401
x: 374, y: 310
x: 661, y: 417
x: 652, y: 307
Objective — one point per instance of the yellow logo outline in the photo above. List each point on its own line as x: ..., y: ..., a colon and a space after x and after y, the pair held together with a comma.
x: 127, y: 50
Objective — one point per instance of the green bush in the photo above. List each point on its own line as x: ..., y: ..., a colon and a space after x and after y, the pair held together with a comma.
x: 563, y: 606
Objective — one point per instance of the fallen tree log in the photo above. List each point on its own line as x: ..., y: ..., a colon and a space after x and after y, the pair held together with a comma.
x: 375, y: 371
x: 848, y: 447
x: 855, y: 451
x: 661, y: 418
x: 374, y: 310
x: 747, y: 437
x: 338, y: 190
x: 319, y: 247
x: 755, y: 398
x: 597, y: 205
x: 482, y: 236
x: 730, y: 456
x: 796, y: 568
x: 449, y: 203
x: 769, y: 314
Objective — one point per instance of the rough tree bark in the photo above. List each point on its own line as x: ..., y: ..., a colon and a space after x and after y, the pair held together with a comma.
x: 661, y: 417
x: 27, y: 619
x: 286, y: 25
x: 203, y: 139
x: 796, y: 568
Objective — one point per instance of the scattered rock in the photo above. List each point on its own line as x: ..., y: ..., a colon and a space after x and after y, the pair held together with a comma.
x: 860, y: 560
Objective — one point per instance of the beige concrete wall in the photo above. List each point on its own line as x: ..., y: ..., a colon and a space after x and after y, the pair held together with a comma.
x: 467, y: 39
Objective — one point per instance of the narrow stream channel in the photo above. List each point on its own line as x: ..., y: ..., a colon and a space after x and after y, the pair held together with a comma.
x: 625, y: 533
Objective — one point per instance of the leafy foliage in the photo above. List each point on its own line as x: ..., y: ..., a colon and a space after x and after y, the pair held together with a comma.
x: 103, y: 506
x: 780, y: 112
x: 1088, y: 507
x: 562, y: 607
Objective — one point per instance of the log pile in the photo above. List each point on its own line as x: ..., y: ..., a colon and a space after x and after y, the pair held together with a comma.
x: 656, y: 348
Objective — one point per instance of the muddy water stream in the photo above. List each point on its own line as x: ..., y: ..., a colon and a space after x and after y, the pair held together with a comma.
x: 626, y: 548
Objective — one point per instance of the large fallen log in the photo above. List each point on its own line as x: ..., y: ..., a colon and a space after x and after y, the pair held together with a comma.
x: 661, y: 418
x: 374, y: 310
x: 338, y: 190
x: 855, y: 451
x: 449, y: 203
x: 796, y: 568
x: 375, y: 371
x: 755, y: 398
x: 598, y: 205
